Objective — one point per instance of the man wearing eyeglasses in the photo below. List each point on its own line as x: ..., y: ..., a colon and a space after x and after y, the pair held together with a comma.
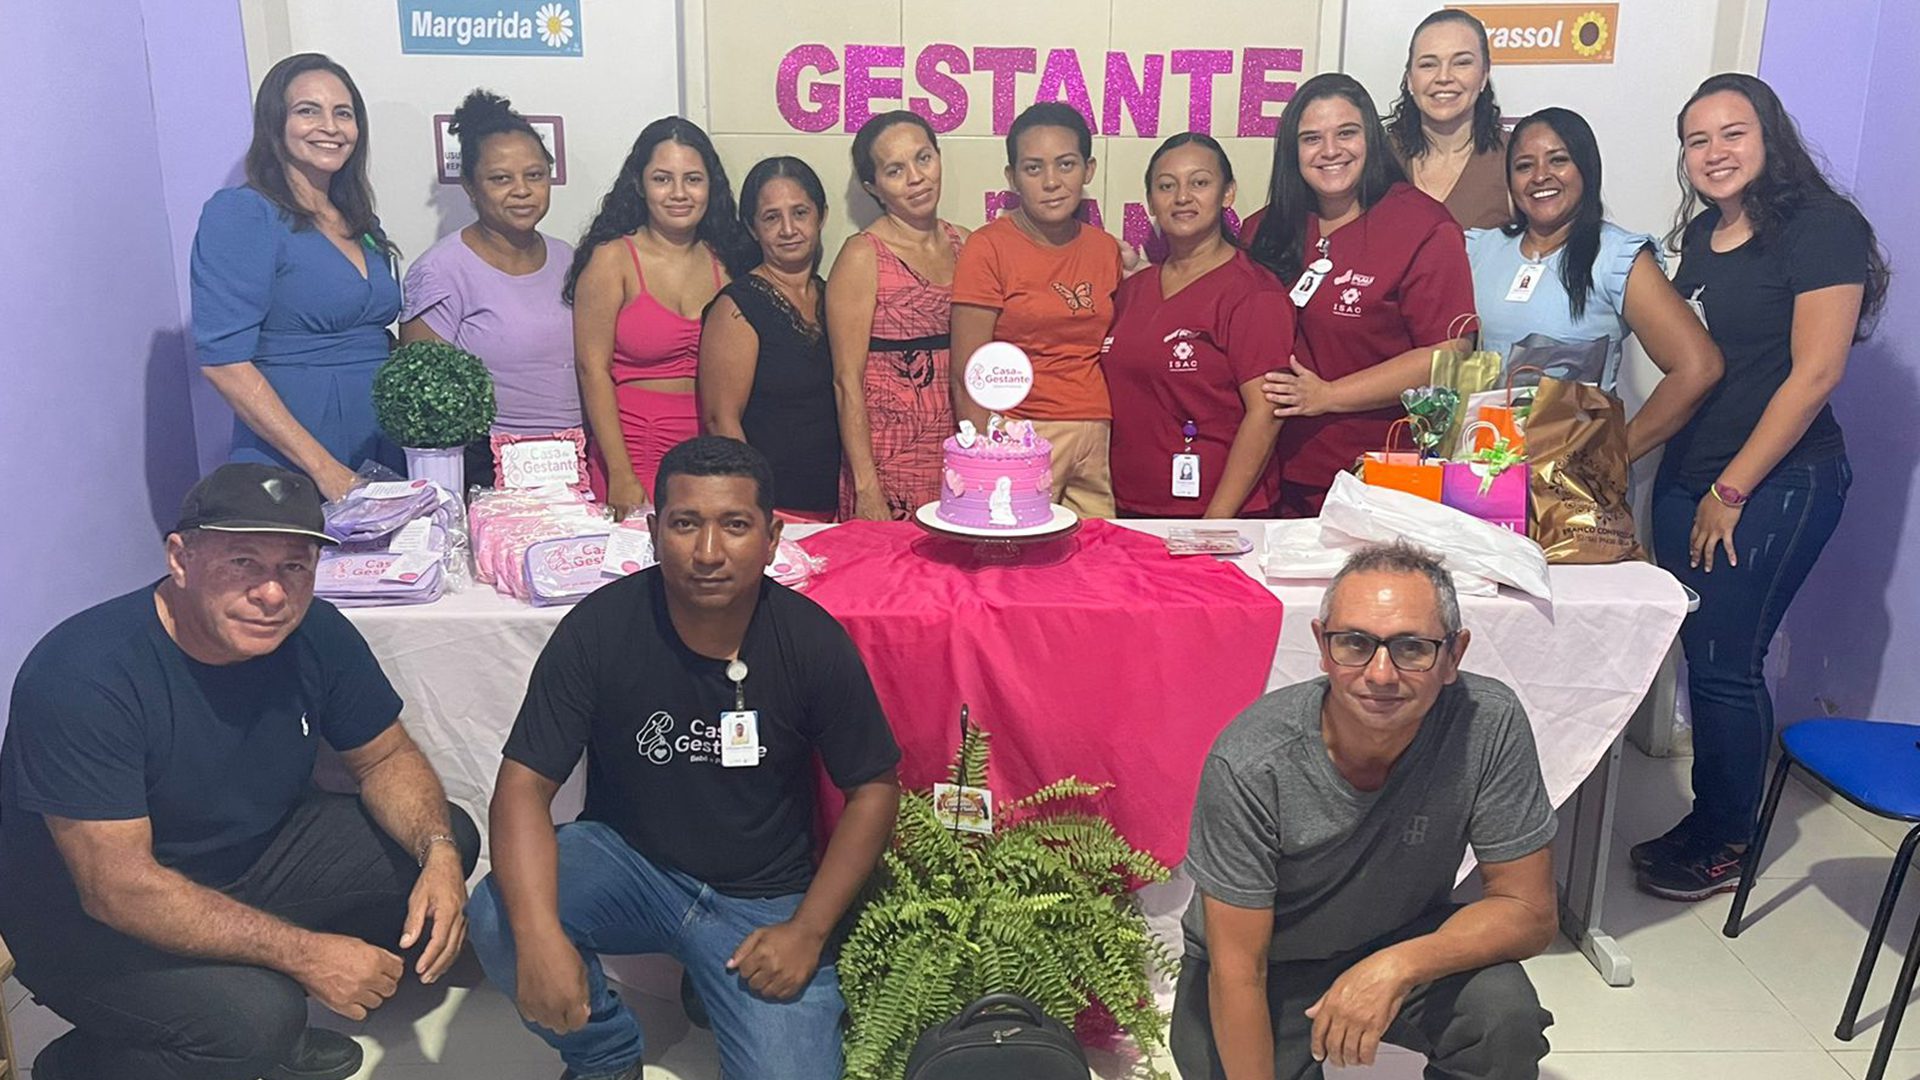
x: 1331, y: 819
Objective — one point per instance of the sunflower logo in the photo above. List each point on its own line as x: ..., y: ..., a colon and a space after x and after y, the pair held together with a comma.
x: 1590, y: 34
x: 555, y: 24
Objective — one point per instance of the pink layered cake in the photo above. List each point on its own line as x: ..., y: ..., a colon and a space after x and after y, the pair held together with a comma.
x: 1004, y: 480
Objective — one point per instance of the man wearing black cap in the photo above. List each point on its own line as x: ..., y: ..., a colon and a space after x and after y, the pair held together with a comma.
x: 173, y: 887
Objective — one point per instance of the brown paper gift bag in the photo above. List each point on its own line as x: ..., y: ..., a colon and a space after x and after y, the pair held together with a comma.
x: 1577, y: 468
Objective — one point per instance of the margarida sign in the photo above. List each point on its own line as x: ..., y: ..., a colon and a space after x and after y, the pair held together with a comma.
x: 490, y: 27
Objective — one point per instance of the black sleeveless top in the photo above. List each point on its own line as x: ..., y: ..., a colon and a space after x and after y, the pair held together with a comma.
x: 791, y: 415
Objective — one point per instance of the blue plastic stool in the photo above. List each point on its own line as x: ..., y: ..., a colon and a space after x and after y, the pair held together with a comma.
x: 1876, y: 767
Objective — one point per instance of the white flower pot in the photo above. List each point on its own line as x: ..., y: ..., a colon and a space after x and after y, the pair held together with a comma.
x: 448, y: 467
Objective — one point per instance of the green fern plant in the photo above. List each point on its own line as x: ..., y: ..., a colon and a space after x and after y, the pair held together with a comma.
x: 1042, y: 908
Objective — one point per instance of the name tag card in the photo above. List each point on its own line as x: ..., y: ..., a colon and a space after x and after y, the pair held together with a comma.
x: 408, y: 568
x: 411, y: 537
x: 629, y: 551
x: 537, y: 462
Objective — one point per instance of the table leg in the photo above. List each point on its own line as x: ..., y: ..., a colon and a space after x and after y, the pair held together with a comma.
x: 1583, y: 894
x: 1652, y: 725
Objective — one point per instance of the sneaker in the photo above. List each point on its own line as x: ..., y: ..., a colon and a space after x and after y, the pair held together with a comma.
x: 631, y: 1072
x: 1668, y: 846
x: 319, y: 1055
x: 1694, y: 875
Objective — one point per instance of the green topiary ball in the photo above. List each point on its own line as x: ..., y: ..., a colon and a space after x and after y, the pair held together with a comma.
x: 430, y: 395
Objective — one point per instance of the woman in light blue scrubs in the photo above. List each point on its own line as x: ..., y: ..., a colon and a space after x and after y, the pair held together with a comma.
x: 294, y: 282
x: 1562, y: 270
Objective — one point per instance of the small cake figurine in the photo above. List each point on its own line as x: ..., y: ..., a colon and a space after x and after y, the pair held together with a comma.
x: 1004, y: 478
x: 1000, y: 503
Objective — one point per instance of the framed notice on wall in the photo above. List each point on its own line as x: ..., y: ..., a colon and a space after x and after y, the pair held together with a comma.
x: 446, y: 148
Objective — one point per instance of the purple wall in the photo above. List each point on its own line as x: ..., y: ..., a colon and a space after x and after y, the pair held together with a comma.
x: 1853, y: 631
x: 203, y: 116
x: 97, y: 411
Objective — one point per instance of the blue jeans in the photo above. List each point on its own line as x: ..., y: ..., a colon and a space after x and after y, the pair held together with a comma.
x: 614, y: 901
x: 1780, y: 534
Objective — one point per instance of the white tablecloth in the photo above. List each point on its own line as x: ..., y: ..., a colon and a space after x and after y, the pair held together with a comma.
x: 1580, y: 664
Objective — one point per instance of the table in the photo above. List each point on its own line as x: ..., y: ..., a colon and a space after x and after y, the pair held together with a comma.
x: 1580, y: 665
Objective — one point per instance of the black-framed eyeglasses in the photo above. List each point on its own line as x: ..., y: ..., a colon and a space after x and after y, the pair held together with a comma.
x: 1357, y: 648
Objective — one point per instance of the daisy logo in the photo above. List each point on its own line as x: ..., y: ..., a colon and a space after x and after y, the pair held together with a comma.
x: 555, y: 25
x: 1590, y: 33
x: 1183, y: 350
x: 1350, y: 296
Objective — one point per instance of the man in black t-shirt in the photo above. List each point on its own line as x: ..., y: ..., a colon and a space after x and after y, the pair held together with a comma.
x: 168, y: 881
x: 700, y: 692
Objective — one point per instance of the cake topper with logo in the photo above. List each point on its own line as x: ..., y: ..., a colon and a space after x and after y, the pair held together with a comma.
x: 999, y: 376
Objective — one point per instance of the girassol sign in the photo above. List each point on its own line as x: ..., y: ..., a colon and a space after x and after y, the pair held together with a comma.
x: 490, y: 27
x: 1548, y: 33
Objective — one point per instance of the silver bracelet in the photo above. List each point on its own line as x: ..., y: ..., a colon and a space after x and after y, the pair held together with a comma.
x: 420, y: 850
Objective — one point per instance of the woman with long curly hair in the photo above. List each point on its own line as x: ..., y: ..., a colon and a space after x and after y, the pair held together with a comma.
x: 654, y: 257
x: 1787, y: 275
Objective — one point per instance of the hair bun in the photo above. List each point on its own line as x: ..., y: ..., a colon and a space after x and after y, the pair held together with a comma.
x: 482, y: 112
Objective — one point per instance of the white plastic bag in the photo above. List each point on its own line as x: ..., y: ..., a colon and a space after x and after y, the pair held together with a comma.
x: 1298, y: 549
x: 1465, y: 544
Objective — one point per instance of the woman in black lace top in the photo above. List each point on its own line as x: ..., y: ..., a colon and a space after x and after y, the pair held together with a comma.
x: 766, y: 373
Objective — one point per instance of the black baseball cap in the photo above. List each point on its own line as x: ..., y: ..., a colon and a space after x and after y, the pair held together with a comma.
x: 251, y: 497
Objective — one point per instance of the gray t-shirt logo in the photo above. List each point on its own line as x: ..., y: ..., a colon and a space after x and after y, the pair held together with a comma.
x: 1416, y: 831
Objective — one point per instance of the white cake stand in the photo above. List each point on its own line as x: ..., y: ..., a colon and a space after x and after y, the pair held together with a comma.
x: 998, y: 545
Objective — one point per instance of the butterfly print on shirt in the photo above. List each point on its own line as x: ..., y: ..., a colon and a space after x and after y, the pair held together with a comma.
x: 1078, y: 298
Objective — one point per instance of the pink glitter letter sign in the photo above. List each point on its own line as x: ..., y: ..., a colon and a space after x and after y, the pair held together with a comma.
x: 926, y: 71
x: 1202, y: 65
x: 863, y: 86
x: 1256, y: 90
x: 824, y: 95
x: 1063, y: 73
x: 1004, y: 63
x: 1141, y: 99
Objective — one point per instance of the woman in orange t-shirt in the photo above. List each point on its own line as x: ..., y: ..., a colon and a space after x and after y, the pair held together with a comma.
x: 1041, y: 279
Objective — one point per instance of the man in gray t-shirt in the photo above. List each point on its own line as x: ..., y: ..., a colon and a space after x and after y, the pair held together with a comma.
x: 1331, y: 819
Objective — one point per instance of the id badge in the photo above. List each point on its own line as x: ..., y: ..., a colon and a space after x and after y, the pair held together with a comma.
x: 1310, y: 279
x: 1528, y: 276
x: 1699, y: 306
x: 740, y: 738
x: 1186, y: 476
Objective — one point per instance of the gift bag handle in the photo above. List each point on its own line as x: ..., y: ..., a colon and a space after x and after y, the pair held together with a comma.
x: 1537, y: 369
x: 1405, y: 422
x: 1458, y: 327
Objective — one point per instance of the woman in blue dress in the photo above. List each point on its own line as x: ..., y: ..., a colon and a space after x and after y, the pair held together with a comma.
x: 294, y: 283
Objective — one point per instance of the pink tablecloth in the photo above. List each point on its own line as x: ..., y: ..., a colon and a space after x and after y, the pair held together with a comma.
x: 1120, y: 664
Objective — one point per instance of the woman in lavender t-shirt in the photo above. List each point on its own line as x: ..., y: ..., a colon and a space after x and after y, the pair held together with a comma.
x: 493, y: 288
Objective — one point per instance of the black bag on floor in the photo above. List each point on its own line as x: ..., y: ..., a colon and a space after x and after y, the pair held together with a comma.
x: 1002, y: 1037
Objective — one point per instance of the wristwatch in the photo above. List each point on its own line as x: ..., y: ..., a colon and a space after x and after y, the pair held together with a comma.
x: 1730, y: 495
x: 420, y: 850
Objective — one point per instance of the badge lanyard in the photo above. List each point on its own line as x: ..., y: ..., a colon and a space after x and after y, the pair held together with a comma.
x: 1186, y: 465
x: 1699, y: 306
x: 740, y: 728
x: 1312, y: 276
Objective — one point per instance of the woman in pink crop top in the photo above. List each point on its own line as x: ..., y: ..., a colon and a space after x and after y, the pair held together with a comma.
x: 648, y: 265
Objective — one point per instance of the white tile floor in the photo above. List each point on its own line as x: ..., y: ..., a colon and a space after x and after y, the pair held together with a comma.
x: 1762, y: 1007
